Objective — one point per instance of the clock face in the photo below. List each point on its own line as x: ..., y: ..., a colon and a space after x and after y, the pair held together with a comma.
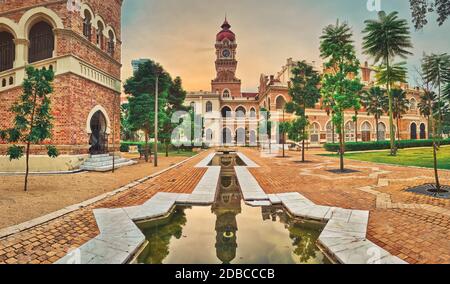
x: 226, y: 53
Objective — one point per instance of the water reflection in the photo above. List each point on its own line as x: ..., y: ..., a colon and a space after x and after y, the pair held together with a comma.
x: 233, y: 233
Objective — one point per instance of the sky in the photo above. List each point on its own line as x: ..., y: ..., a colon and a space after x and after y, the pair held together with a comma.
x: 180, y: 34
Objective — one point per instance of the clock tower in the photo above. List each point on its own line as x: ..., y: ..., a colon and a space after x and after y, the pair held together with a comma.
x: 226, y: 84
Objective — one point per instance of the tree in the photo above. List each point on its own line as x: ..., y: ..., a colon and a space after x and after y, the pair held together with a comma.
x: 141, y: 87
x: 126, y: 132
x: 436, y: 72
x: 33, y: 118
x: 426, y: 105
x: 421, y: 8
x: 376, y: 103
x: 305, y: 93
x: 266, y: 126
x: 340, y: 85
x: 175, y: 102
x: 385, y: 38
x: 284, y: 127
x: 400, y: 107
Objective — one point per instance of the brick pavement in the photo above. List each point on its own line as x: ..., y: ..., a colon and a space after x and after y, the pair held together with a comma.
x: 413, y: 227
x: 48, y: 242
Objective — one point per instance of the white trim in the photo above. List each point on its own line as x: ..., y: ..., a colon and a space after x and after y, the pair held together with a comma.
x: 91, y: 114
x: 33, y: 15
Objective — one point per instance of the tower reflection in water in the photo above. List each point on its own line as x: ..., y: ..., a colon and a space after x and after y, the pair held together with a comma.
x: 234, y: 233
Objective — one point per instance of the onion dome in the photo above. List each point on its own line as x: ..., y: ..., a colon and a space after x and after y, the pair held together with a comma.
x: 226, y: 33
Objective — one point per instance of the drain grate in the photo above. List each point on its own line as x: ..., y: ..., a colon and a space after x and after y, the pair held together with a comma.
x: 430, y: 190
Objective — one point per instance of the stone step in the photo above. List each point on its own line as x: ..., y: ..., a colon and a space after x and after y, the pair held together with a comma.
x: 106, y: 168
x: 100, y: 155
x: 104, y: 163
x: 102, y: 158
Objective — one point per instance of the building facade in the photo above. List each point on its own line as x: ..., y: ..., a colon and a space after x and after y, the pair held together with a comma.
x: 231, y: 116
x: 81, y: 43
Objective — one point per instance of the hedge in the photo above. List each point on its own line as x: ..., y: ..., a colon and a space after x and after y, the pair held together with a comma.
x: 161, y: 146
x: 381, y: 145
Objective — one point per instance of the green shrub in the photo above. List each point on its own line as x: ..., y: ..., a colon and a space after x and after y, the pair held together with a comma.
x: 381, y: 145
x: 124, y: 148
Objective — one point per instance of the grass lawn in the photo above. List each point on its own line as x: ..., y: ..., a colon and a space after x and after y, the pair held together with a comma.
x: 406, y: 157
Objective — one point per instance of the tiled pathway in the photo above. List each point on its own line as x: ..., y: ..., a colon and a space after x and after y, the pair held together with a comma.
x: 412, y: 227
x: 49, y: 242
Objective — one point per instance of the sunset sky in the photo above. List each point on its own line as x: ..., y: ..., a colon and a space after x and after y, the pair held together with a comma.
x: 180, y: 34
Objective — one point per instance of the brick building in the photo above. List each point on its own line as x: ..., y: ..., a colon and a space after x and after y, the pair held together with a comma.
x: 81, y: 43
x: 232, y: 116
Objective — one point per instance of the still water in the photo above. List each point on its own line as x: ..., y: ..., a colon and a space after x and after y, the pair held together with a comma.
x: 230, y: 231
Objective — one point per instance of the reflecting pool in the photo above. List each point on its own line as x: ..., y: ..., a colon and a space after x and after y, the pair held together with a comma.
x: 231, y: 232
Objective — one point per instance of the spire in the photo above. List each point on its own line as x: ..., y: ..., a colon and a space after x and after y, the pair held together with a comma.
x: 226, y: 25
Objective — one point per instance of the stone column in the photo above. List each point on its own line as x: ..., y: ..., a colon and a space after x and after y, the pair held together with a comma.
x: 21, y: 52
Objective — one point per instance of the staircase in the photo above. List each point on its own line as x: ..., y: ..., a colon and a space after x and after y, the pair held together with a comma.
x: 104, y: 163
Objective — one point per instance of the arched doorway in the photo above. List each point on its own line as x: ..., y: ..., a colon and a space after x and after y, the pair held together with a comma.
x: 413, y: 131
x: 381, y: 131
x: 366, y: 132
x: 314, y: 132
x: 350, y: 132
x: 99, y: 137
x: 240, y: 137
x: 253, y: 138
x: 423, y: 131
x: 226, y: 136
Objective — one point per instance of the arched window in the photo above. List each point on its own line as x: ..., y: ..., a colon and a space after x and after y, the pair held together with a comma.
x: 42, y: 42
x: 240, y: 112
x: 413, y: 104
x: 100, y: 34
x: 111, y: 43
x: 423, y: 131
x: 314, y: 133
x: 87, y: 25
x: 226, y: 112
x: 366, y: 132
x: 381, y: 131
x: 281, y: 103
x: 7, y: 51
x: 413, y: 131
x: 350, y: 132
x: 331, y: 133
x: 209, y: 107
x: 226, y: 94
x: 253, y: 112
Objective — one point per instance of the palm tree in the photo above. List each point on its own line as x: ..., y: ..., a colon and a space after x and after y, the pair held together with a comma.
x: 426, y: 107
x: 436, y: 71
x: 385, y: 38
x: 400, y: 106
x: 376, y: 103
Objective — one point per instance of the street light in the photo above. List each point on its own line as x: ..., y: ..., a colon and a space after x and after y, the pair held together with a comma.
x: 155, y: 160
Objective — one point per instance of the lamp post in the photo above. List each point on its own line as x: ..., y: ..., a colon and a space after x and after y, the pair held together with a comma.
x: 155, y: 160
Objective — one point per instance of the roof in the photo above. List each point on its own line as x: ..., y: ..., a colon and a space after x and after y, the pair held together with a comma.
x: 250, y: 95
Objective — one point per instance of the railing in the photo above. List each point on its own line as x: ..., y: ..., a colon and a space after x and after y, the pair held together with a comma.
x: 7, y: 55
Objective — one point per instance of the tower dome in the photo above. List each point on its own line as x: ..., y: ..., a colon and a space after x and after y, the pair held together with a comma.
x: 226, y: 33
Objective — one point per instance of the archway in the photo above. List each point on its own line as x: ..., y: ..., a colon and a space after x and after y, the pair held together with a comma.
x: 314, y: 133
x: 280, y: 103
x: 413, y: 131
x: 381, y: 131
x: 253, y: 141
x: 99, y: 138
x: 226, y: 112
x: 423, y: 131
x: 240, y: 137
x: 332, y: 137
x: 241, y: 112
x: 366, y: 132
x: 7, y: 51
x: 42, y: 42
x: 226, y: 136
x: 350, y: 132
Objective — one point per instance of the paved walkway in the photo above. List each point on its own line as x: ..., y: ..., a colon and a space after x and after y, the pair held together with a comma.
x: 413, y: 227
x: 49, y: 242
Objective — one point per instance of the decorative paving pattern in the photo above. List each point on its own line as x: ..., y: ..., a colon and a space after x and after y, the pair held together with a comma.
x: 412, y: 227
